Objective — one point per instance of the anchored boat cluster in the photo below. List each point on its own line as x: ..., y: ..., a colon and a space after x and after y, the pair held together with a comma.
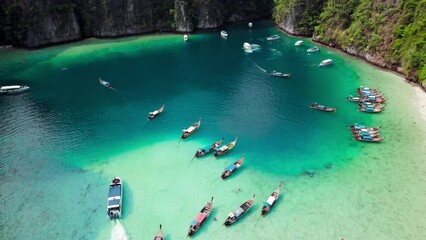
x: 369, y: 100
x: 116, y: 191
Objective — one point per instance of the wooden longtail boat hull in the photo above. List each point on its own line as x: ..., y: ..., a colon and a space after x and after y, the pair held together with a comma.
x: 200, y: 218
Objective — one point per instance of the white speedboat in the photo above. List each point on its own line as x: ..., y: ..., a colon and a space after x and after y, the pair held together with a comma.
x: 326, y: 62
x: 13, y: 89
x: 298, y: 43
x: 313, y: 49
x: 273, y: 37
x: 115, y: 195
x: 223, y: 34
x: 250, y: 24
x: 185, y: 37
x: 247, y: 46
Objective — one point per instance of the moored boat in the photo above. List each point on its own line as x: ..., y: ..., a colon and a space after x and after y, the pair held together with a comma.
x: 105, y: 83
x: 357, y: 126
x: 185, y: 38
x: 200, y: 218
x: 371, y: 109
x: 154, y: 114
x: 208, y: 149
x: 233, y: 167
x: 279, y: 74
x: 237, y: 214
x: 298, y: 43
x: 223, y: 34
x: 269, y: 203
x: 353, y: 99
x: 115, y: 195
x: 13, y: 89
x: 322, y: 107
x: 273, y: 37
x: 224, y: 149
x: 365, y: 134
x: 365, y: 131
x: 368, y: 139
x: 247, y: 46
x: 313, y: 49
x: 159, y: 235
x: 374, y: 99
x: 326, y: 62
x: 187, y: 132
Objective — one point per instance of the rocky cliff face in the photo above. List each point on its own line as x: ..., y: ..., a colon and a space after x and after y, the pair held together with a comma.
x: 390, y: 34
x: 34, y: 23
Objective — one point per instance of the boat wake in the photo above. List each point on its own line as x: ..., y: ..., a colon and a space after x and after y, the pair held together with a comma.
x: 259, y: 67
x: 118, y: 232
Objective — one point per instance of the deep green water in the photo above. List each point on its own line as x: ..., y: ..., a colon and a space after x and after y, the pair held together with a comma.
x: 62, y: 142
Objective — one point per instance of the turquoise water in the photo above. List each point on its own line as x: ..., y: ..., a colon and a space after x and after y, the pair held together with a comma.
x: 63, y: 141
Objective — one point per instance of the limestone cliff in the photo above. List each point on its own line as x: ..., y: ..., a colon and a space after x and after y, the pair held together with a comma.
x: 34, y: 23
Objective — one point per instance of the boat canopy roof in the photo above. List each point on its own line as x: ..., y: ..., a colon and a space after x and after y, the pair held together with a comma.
x: 10, y: 87
x: 239, y: 211
x: 113, y: 202
x: 270, y: 200
x: 200, y: 217
x: 223, y: 148
x: 190, y: 129
x: 231, y: 167
x: 114, y: 191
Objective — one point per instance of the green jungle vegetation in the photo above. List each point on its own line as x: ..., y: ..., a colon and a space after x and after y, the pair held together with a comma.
x: 395, y: 30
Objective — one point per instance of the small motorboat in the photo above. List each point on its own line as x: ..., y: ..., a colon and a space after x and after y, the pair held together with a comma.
x: 233, y: 167
x: 115, y: 195
x: 159, y: 235
x: 353, y: 99
x: 371, y: 109
x: 280, y: 74
x: 250, y: 24
x: 200, y: 218
x: 368, y: 139
x: 208, y: 149
x: 154, y: 114
x: 269, y: 203
x: 13, y: 89
x: 219, y: 152
x: 326, y: 62
x: 223, y: 34
x: 322, y: 107
x: 247, y: 46
x: 105, y: 83
x: 234, y: 216
x: 273, y: 37
x: 313, y: 49
x: 187, y: 132
x: 185, y: 38
x: 299, y: 43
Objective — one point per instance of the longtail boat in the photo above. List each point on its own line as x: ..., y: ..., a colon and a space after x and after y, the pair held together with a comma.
x: 226, y: 148
x: 187, y: 132
x: 322, y: 107
x: 280, y: 74
x: 368, y: 139
x: 154, y: 114
x: 365, y: 131
x: 208, y: 149
x: 105, y: 83
x: 366, y: 134
x: 269, y: 203
x: 233, y: 167
x: 371, y: 109
x: 370, y: 104
x: 115, y: 195
x: 200, y: 218
x: 374, y: 99
x: 353, y: 99
x: 357, y: 126
x: 159, y: 235
x: 234, y: 216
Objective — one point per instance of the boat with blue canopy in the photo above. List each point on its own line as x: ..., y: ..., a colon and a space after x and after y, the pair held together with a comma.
x: 208, y: 149
x: 280, y: 74
x: 115, y: 195
x: 360, y: 127
x: 233, y: 167
x: 368, y: 139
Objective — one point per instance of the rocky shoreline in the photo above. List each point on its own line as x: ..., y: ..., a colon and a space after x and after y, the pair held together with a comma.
x: 376, y: 60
